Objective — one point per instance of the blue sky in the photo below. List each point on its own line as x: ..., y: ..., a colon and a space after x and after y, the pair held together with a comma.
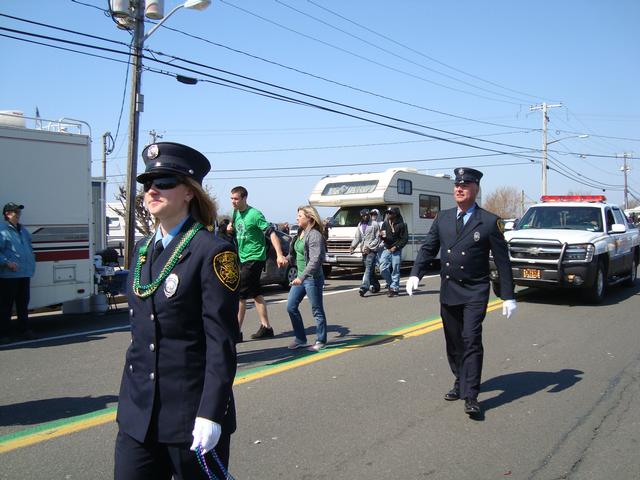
x: 481, y: 64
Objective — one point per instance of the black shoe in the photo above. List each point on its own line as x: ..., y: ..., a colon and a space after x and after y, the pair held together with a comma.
x: 451, y: 395
x: 28, y: 335
x: 471, y: 407
x: 362, y: 291
x: 392, y: 293
x: 374, y: 288
x: 263, y: 332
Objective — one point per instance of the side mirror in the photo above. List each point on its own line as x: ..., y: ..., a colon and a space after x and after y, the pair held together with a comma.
x: 618, y: 228
x: 509, y: 226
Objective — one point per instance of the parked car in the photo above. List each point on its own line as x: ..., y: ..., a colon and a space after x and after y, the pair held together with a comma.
x: 272, y: 274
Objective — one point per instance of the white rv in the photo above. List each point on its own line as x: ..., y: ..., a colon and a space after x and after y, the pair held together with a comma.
x: 48, y: 170
x: 419, y: 196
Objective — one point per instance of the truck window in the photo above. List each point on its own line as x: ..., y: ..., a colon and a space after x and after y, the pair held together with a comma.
x: 572, y: 218
x: 429, y: 206
x: 610, y: 219
x: 350, y: 216
x: 617, y: 215
x: 405, y: 187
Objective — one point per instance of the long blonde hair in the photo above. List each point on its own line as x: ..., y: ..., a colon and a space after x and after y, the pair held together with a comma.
x: 201, y: 207
x: 312, y: 214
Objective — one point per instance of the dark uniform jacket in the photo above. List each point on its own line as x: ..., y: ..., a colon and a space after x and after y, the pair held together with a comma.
x: 465, y: 257
x: 182, y: 359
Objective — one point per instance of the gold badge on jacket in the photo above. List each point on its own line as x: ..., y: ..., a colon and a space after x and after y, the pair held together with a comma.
x: 225, y: 266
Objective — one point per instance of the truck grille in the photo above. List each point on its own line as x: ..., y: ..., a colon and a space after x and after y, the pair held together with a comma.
x: 338, y: 246
x: 543, y: 251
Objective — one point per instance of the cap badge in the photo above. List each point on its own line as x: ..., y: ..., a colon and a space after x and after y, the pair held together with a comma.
x: 461, y: 171
x: 171, y: 285
x: 153, y: 151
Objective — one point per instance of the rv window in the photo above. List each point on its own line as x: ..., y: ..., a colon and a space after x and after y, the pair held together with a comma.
x: 405, y: 187
x: 429, y: 206
x: 350, y: 188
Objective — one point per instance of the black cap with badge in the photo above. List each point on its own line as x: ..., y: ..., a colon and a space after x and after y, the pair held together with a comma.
x: 168, y: 158
x: 467, y: 175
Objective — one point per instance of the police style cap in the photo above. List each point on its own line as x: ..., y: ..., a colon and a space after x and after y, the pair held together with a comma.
x: 12, y: 207
x: 467, y: 175
x: 168, y: 158
x: 393, y: 210
x: 364, y: 211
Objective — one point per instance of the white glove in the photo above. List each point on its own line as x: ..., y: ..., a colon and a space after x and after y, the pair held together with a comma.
x: 412, y: 284
x: 205, y: 434
x: 509, y: 308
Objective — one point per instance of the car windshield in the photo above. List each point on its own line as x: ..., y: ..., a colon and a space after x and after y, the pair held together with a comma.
x: 350, y: 216
x: 566, y: 218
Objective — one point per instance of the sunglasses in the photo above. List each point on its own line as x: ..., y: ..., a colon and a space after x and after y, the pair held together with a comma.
x: 162, y: 183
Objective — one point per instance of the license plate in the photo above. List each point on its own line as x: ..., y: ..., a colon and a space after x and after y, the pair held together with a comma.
x: 532, y: 273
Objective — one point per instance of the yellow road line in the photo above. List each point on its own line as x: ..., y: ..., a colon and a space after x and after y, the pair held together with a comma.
x: 64, y: 427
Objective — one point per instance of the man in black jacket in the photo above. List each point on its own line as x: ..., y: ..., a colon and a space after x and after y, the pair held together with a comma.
x: 464, y: 236
x: 394, y: 236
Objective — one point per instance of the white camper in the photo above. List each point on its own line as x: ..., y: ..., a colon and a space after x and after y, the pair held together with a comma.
x: 419, y: 196
x: 48, y: 170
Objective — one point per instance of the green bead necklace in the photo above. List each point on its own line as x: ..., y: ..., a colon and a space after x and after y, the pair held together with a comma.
x: 144, y: 291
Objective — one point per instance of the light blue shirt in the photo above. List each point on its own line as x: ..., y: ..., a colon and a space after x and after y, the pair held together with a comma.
x: 166, y: 240
x: 467, y: 214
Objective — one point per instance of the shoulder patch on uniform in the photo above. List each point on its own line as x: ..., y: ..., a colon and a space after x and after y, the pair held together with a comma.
x: 225, y: 266
x: 500, y: 224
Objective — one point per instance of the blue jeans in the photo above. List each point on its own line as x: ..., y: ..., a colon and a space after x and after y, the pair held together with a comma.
x: 390, y: 268
x: 369, y: 278
x: 312, y: 287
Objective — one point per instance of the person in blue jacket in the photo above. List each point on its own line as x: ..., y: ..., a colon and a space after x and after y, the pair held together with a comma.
x: 176, y: 409
x: 17, y: 265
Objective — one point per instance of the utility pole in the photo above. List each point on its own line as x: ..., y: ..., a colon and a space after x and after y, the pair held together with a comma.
x: 625, y: 169
x: 521, y: 203
x: 154, y: 136
x: 545, y: 119
x: 135, y: 108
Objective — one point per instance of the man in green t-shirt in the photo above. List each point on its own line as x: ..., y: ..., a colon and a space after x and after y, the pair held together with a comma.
x: 251, y: 228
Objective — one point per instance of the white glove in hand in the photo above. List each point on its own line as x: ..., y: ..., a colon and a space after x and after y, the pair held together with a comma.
x: 509, y: 308
x: 412, y: 284
x: 206, y: 434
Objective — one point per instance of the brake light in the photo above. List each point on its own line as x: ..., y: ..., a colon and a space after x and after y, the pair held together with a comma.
x: 573, y: 198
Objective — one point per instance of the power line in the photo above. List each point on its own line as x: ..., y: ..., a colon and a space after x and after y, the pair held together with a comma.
x: 537, y: 97
x: 397, y: 70
x: 451, y: 77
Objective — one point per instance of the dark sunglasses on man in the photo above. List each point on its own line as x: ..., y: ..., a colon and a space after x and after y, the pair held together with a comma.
x: 162, y: 183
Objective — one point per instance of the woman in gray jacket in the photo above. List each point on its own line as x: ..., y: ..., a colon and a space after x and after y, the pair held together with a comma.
x: 307, y: 253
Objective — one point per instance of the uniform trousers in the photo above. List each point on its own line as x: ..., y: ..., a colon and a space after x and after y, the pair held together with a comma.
x: 463, y: 335
x: 14, y: 290
x: 162, y: 461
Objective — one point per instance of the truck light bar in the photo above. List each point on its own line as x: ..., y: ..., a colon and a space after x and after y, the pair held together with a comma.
x: 573, y: 198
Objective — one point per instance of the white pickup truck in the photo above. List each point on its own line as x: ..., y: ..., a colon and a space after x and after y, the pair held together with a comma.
x: 573, y: 241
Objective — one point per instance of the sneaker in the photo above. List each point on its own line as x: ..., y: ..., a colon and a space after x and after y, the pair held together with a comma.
x: 263, y: 332
x: 297, y: 344
x: 392, y: 293
x: 316, y: 347
x: 362, y: 291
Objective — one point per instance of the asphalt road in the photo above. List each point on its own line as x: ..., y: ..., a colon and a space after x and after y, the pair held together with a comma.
x: 560, y: 393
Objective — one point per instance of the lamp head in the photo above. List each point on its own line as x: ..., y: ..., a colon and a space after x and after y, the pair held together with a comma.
x: 197, y: 4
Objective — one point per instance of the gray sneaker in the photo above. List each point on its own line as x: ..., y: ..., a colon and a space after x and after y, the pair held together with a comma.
x: 316, y: 347
x: 297, y: 344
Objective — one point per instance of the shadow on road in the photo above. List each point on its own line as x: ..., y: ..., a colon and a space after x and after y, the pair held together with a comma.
x: 514, y: 386
x: 573, y: 297
x: 46, y: 410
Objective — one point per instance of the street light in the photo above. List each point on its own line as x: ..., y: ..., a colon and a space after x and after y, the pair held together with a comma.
x: 137, y: 106
x: 544, y: 156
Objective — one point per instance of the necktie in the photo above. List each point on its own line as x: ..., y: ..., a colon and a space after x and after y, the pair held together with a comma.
x: 460, y: 222
x: 157, y: 249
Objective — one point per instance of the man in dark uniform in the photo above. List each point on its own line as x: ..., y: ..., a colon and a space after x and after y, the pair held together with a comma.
x: 464, y: 236
x: 176, y: 394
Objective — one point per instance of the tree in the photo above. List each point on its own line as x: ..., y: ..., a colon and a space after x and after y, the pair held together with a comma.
x: 504, y: 202
x: 144, y: 220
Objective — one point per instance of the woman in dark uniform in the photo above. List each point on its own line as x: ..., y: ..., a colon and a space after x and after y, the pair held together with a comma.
x: 176, y: 394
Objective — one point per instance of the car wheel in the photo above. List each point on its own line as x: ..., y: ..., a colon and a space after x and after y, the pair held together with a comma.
x: 633, y: 274
x: 292, y: 274
x: 595, y: 293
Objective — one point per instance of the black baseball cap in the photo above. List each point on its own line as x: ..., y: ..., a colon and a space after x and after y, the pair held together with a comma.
x: 12, y: 207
